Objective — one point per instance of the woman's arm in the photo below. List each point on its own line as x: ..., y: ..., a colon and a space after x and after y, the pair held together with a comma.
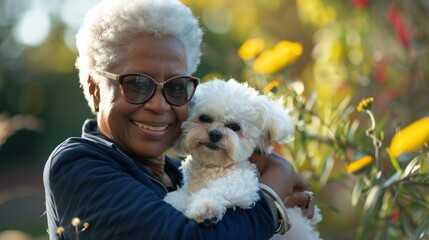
x: 278, y: 174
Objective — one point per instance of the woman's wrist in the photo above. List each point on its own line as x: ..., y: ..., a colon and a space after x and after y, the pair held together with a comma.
x: 282, y: 223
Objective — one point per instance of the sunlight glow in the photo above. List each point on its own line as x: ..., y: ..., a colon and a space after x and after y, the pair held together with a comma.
x: 217, y: 18
x: 33, y: 27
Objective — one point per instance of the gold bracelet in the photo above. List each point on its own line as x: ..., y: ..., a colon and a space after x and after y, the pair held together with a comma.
x: 284, y: 222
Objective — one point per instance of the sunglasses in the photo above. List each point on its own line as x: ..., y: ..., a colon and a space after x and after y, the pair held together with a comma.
x: 139, y: 88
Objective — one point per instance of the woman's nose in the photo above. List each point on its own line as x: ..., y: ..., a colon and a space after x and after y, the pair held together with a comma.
x: 157, y: 103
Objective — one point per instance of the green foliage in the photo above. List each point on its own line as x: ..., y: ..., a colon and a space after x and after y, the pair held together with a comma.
x: 392, y: 193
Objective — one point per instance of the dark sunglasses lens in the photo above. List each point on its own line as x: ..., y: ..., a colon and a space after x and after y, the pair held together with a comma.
x: 137, y: 88
x: 179, y: 91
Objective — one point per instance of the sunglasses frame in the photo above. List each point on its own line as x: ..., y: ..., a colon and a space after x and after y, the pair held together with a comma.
x: 120, y: 79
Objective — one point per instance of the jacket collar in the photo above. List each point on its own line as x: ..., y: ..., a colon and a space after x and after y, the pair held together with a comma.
x: 89, y: 131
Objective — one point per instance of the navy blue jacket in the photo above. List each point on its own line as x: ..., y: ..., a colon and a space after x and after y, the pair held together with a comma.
x: 90, y: 177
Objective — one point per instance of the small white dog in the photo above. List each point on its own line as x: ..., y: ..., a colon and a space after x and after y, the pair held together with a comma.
x: 227, y: 121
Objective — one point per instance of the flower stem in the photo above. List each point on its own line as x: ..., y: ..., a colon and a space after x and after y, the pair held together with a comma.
x: 375, y: 141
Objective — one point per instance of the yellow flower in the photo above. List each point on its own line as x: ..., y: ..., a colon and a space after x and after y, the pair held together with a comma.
x: 359, y: 163
x: 85, y: 226
x: 270, y: 87
x: 276, y: 59
x: 411, y: 137
x: 60, y: 230
x: 365, y: 104
x: 251, y: 48
x: 75, y: 222
x: 315, y: 12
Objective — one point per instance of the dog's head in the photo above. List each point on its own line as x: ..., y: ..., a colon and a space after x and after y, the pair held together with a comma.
x: 228, y: 120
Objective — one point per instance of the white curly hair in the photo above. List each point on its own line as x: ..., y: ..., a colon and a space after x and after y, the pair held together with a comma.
x: 111, y: 23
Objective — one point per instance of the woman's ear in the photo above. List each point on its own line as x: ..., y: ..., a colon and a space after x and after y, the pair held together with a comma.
x: 94, y: 91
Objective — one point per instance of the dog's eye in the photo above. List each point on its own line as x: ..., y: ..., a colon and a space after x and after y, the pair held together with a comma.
x: 234, y: 127
x: 205, y: 119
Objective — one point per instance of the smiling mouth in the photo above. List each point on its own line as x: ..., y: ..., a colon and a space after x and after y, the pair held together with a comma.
x: 148, y: 127
x: 210, y: 145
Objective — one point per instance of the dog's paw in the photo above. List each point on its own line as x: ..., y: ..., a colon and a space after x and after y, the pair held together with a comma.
x: 205, y: 212
x: 210, y: 222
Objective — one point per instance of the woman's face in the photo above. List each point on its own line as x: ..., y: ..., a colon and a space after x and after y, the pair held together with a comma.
x: 145, y: 130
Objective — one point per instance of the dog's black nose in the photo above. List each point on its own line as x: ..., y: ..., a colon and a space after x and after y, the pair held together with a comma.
x: 215, y: 136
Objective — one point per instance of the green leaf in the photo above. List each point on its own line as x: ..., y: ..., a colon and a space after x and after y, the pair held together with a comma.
x: 394, y: 161
x: 370, y: 214
x: 411, y: 167
x: 419, y: 201
x: 342, y: 109
x: 357, y: 192
x: 327, y: 169
x: 406, y: 225
x: 395, y: 177
x: 351, y: 131
x: 421, y: 228
x: 373, y: 196
x: 382, y: 135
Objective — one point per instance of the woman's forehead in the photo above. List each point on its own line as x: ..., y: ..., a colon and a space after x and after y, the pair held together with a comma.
x: 145, y: 52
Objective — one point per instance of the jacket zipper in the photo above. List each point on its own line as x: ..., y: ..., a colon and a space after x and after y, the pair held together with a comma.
x: 152, y: 178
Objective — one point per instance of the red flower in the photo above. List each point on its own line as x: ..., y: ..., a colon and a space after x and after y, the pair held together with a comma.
x: 360, y: 3
x: 399, y: 26
x: 380, y: 72
x: 395, y: 215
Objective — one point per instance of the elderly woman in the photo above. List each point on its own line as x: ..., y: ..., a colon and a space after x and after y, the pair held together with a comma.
x: 135, y: 62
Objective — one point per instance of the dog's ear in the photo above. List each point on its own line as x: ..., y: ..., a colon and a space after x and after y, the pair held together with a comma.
x: 275, y: 122
x: 178, y: 146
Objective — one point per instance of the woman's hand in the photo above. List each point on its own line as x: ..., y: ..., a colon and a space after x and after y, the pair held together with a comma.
x: 278, y: 174
x: 302, y: 197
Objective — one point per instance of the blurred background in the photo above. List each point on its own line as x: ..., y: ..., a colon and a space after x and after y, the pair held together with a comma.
x: 350, y: 49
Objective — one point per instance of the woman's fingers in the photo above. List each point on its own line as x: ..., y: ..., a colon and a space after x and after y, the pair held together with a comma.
x: 303, y: 200
x: 297, y: 199
x: 309, y: 210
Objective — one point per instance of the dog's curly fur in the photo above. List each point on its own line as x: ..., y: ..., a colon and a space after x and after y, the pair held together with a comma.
x: 227, y: 121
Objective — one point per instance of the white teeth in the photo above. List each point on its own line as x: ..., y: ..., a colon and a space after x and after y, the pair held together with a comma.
x: 141, y: 125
